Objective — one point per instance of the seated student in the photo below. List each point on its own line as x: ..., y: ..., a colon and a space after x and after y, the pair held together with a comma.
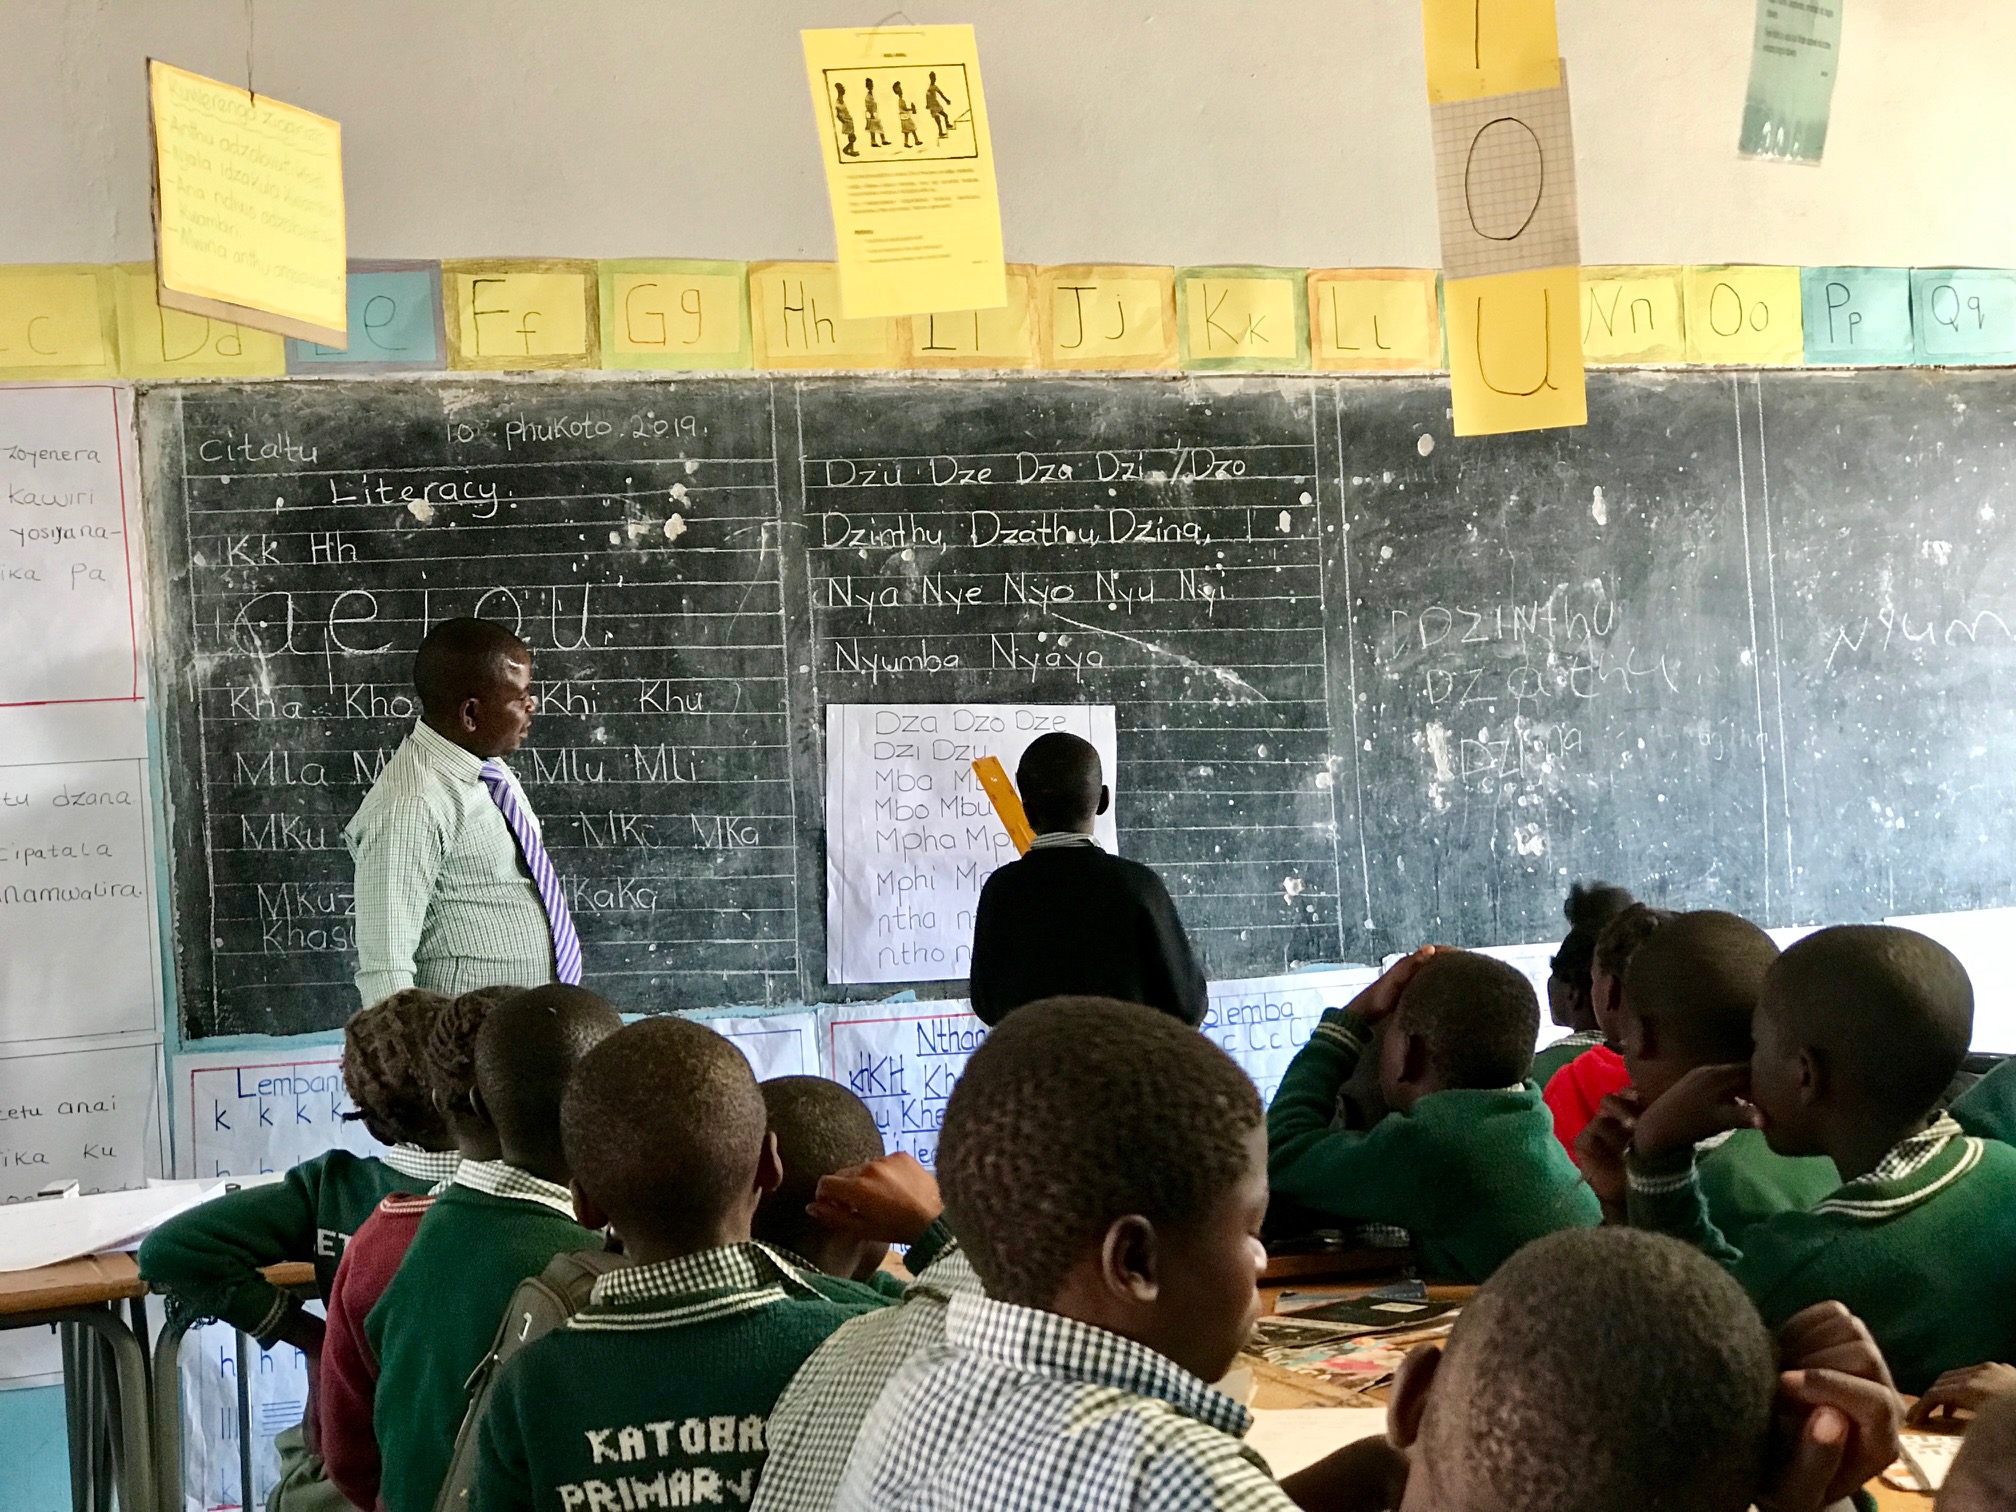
x: 1669, y: 1403
x: 1983, y: 1476
x: 1858, y: 1032
x: 348, y: 1378
x: 1577, y: 1090
x: 208, y: 1259
x: 1688, y: 1001
x: 1589, y: 909
x: 1467, y: 1161
x: 1067, y: 917
x: 498, y: 1223
x: 822, y: 1129
x: 1106, y: 1171
x: 816, y: 1420
x: 657, y: 1392
x: 1987, y: 1109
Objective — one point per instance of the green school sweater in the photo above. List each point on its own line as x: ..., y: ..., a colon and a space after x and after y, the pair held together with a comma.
x: 881, y: 1288
x: 207, y: 1260
x: 1551, y: 1058
x: 1471, y: 1174
x: 1922, y: 1249
x: 437, y: 1319
x: 1987, y: 1110
x: 658, y: 1392
x: 1745, y: 1181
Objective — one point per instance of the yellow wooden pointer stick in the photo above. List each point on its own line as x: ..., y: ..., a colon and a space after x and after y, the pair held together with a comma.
x: 1001, y: 792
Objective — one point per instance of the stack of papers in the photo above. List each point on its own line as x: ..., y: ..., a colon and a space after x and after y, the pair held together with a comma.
x: 66, y: 1228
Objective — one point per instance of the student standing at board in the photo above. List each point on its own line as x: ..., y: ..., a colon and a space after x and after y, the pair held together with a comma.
x: 454, y: 887
x: 1068, y: 920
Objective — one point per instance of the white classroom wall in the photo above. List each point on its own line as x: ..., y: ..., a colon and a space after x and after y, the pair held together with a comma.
x: 1292, y: 132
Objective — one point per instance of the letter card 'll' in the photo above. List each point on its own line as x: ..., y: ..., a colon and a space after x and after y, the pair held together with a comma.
x: 909, y: 166
x: 911, y: 835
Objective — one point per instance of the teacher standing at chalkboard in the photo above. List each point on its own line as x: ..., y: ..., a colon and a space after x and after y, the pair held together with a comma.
x: 454, y: 887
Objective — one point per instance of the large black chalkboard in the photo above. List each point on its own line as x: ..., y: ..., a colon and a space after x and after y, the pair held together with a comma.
x: 1741, y: 641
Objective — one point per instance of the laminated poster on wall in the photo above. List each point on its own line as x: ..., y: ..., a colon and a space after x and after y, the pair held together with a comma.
x: 1793, y: 60
x: 911, y: 836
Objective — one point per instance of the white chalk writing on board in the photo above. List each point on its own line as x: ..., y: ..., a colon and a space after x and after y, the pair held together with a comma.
x: 911, y: 836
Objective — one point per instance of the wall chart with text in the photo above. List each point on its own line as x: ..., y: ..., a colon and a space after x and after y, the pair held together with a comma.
x: 1742, y: 641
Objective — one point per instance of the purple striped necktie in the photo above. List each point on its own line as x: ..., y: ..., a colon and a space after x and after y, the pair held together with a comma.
x: 566, y: 943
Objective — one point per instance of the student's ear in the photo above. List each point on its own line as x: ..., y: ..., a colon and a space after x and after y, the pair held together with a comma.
x: 1644, y: 1034
x: 590, y: 1216
x: 1407, y: 1402
x: 1812, y: 1078
x: 769, y: 1166
x: 1413, y: 1056
x: 1127, y: 1260
x: 479, y: 1109
x: 1105, y: 800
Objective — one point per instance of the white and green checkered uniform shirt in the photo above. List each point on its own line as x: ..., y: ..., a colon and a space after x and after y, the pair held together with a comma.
x: 1025, y: 1411
x: 443, y: 897
x: 815, y: 1423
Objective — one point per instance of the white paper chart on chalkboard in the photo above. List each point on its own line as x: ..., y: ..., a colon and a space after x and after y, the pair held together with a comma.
x: 912, y: 836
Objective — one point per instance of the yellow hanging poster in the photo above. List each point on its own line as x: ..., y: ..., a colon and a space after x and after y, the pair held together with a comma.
x: 909, y: 167
x: 248, y: 208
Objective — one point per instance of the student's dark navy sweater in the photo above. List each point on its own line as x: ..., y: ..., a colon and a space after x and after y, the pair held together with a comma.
x: 1069, y: 919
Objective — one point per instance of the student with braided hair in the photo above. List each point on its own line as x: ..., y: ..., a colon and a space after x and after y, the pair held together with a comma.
x: 208, y: 1259
x: 349, y: 1378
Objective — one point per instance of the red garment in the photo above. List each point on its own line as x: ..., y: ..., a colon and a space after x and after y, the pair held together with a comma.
x: 348, y: 1382
x: 1573, y: 1095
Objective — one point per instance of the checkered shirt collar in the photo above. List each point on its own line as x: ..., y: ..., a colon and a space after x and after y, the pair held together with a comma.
x: 497, y: 1179
x: 1917, y: 1168
x: 1062, y: 1347
x: 729, y: 1270
x: 1061, y: 840
x: 446, y: 757
x: 435, y: 1167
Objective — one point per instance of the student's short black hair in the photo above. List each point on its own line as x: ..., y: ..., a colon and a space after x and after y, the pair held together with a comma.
x: 1624, y: 934
x: 526, y: 1050
x: 821, y: 1127
x: 451, y: 1043
x: 1058, y: 780
x: 385, y: 1068
x: 1663, y: 1400
x: 1078, y: 1111
x: 460, y: 659
x: 1589, y: 907
x: 1478, y: 1016
x: 1698, y: 978
x: 1889, y: 1011
x: 663, y: 1128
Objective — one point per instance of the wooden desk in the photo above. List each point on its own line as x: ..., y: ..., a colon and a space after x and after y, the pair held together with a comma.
x: 85, y: 1295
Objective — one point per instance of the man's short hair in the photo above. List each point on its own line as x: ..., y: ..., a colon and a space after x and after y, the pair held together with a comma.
x: 1058, y: 780
x: 526, y: 1050
x: 1588, y: 908
x: 1889, y: 1011
x: 663, y: 1128
x: 1662, y: 1397
x: 1698, y: 979
x: 451, y: 1043
x: 821, y: 1127
x: 1078, y: 1111
x: 1478, y: 1016
x: 460, y: 659
x: 385, y: 1067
